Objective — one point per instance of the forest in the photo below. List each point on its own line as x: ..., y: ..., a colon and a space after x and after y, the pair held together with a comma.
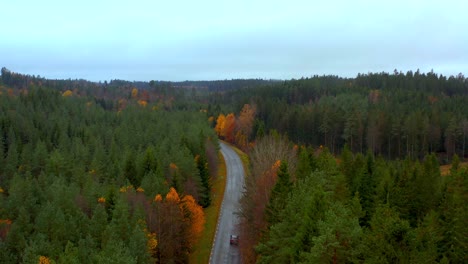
x: 341, y: 170
x: 83, y: 182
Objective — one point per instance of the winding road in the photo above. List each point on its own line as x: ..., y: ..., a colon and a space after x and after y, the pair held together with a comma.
x: 222, y: 251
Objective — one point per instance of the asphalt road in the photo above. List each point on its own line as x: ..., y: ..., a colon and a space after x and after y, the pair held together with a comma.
x: 223, y: 251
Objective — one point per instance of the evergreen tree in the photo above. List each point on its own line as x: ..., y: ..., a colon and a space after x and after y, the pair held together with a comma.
x: 367, y: 189
x: 130, y: 171
x: 297, y: 223
x: 202, y: 166
x: 304, y: 167
x: 454, y: 212
x: 389, y: 237
x: 279, y: 194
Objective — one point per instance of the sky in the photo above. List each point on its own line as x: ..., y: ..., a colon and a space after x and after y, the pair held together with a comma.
x: 178, y: 40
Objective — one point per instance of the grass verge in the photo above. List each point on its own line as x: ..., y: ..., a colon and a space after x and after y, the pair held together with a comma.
x: 245, y: 160
x: 202, y: 251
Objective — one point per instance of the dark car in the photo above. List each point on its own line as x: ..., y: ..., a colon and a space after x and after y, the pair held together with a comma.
x: 234, y: 240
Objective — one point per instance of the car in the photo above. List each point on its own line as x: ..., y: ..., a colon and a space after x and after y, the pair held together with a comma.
x: 234, y: 240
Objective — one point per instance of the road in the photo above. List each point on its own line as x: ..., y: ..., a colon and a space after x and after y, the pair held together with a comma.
x: 222, y: 251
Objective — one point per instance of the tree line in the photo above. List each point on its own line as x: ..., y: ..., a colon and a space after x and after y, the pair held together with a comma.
x: 394, y: 115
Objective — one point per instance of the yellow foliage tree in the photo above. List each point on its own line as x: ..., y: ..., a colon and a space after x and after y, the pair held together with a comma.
x: 151, y: 243
x: 219, y: 128
x: 44, y: 260
x: 134, y: 93
x: 67, y: 93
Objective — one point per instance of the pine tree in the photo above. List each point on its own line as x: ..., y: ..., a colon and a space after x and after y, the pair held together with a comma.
x: 304, y: 167
x: 130, y: 171
x: 279, y: 194
x: 202, y: 166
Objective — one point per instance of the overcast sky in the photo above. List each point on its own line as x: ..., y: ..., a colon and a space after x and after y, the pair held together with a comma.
x: 215, y: 39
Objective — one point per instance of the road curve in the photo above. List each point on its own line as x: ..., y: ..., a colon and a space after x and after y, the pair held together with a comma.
x: 222, y: 251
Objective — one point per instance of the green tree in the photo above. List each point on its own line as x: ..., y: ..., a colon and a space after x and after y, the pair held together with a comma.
x: 298, y: 223
x: 428, y: 236
x: 148, y: 163
x: 454, y: 211
x: 115, y: 251
x: 279, y: 194
x: 202, y: 166
x: 70, y: 255
x: 98, y: 223
x: 12, y: 158
x: 304, y: 167
x: 339, y: 237
x: 367, y: 187
x: 388, y: 240
x: 130, y: 171
x: 138, y: 244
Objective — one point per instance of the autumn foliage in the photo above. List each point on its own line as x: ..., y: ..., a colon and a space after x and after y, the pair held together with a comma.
x: 5, y: 225
x: 134, y: 93
x: 220, y: 122
x: 237, y: 130
x: 229, y: 127
x: 101, y: 200
x: 177, y: 222
x: 67, y: 93
x: 142, y: 103
x: 266, y: 159
x: 43, y: 260
x: 172, y: 196
x: 196, y: 217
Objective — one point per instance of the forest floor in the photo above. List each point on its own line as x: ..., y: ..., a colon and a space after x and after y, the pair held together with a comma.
x: 202, y: 250
x: 445, y: 169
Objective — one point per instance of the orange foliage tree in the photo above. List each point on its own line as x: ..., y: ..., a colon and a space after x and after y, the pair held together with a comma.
x: 237, y: 130
x: 5, y: 225
x: 142, y: 103
x: 172, y: 196
x: 229, y: 128
x: 178, y: 223
x: 245, y: 124
x: 196, y: 217
x: 167, y: 221
x: 219, y: 128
